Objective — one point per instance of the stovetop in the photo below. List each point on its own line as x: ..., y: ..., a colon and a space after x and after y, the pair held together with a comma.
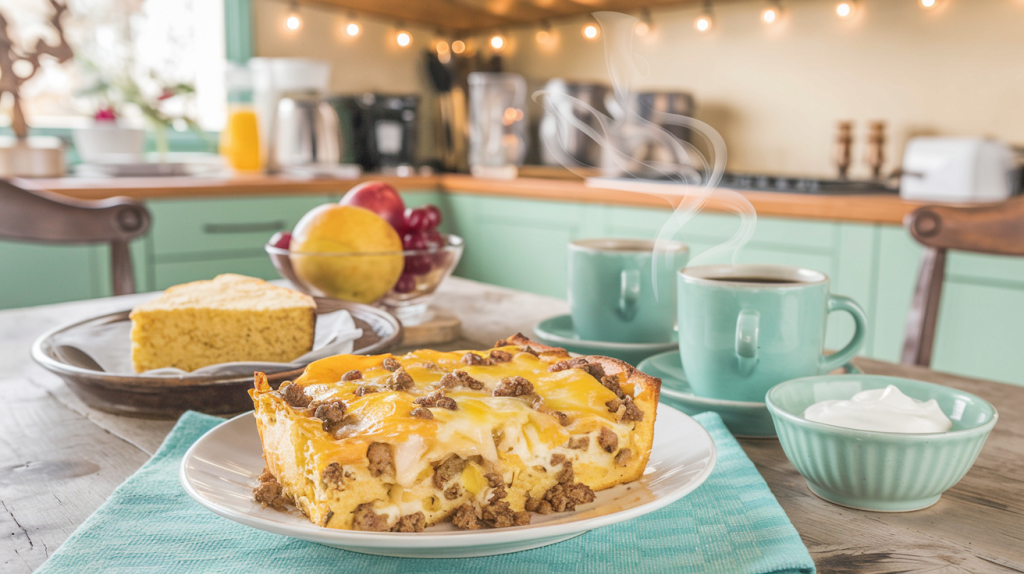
x: 788, y: 184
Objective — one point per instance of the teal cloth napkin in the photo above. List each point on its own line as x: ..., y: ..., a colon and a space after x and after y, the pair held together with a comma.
x: 730, y: 524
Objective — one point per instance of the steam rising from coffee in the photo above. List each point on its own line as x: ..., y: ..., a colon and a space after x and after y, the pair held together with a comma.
x: 696, y: 172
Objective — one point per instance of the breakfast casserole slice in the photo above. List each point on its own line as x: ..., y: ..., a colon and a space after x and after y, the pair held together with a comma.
x: 481, y: 438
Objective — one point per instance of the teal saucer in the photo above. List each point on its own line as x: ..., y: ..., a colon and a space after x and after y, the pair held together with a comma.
x: 743, y: 419
x: 559, y: 332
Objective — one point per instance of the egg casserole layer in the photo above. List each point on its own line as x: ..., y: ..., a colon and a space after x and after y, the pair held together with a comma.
x: 481, y: 438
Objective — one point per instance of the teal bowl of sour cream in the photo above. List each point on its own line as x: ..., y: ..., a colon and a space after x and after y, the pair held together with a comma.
x: 884, y: 444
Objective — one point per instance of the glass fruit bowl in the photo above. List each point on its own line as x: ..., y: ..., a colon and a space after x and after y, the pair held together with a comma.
x: 319, y: 274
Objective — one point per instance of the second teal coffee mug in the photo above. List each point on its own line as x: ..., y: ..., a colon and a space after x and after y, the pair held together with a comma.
x: 612, y: 290
x: 746, y: 328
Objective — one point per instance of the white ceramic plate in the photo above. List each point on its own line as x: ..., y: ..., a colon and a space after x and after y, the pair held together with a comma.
x: 221, y: 468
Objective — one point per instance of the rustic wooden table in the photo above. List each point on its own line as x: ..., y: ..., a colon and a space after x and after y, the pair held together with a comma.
x: 59, y: 460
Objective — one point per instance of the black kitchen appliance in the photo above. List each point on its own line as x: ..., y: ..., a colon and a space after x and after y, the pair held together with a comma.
x: 382, y: 129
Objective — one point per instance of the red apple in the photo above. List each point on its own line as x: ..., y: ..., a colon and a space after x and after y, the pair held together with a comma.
x: 379, y: 198
x: 281, y: 240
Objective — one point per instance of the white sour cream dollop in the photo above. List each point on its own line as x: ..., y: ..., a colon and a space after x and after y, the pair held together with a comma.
x: 882, y: 410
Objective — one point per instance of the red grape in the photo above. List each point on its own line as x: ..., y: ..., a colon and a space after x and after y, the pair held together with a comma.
x: 416, y: 219
x: 433, y: 239
x: 414, y: 240
x: 406, y: 284
x: 379, y: 198
x: 418, y: 264
x: 281, y: 240
x: 433, y: 216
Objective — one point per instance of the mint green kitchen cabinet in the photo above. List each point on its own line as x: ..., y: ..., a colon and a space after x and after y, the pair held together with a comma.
x: 521, y: 244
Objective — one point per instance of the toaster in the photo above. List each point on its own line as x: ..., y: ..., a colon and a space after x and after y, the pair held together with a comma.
x: 957, y: 169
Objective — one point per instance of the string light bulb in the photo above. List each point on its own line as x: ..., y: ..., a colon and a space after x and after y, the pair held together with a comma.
x: 497, y: 42
x: 403, y: 39
x: 845, y: 9
x: 543, y: 35
x: 644, y: 25
x: 293, y: 21
x: 928, y: 4
x: 458, y: 46
x: 591, y: 31
x: 353, y: 29
x: 704, y: 20
x: 771, y: 14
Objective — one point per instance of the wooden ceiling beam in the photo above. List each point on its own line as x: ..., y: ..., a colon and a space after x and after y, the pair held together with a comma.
x: 469, y: 16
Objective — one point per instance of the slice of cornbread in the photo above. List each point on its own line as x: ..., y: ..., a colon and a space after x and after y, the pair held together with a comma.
x: 230, y: 318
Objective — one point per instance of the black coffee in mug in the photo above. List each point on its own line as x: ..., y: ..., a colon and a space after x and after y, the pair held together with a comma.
x: 765, y: 280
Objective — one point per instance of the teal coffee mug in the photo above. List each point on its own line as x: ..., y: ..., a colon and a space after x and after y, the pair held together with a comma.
x: 746, y: 328
x: 612, y: 290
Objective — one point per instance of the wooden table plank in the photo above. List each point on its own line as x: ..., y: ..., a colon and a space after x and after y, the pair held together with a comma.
x: 59, y: 460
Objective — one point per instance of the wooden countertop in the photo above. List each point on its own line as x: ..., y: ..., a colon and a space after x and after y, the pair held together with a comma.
x: 62, y: 459
x: 878, y: 208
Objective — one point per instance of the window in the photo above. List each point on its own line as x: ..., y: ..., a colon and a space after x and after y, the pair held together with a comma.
x: 152, y: 41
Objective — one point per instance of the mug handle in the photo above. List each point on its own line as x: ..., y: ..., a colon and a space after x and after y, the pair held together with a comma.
x: 748, y: 323
x: 831, y: 362
x: 629, y: 292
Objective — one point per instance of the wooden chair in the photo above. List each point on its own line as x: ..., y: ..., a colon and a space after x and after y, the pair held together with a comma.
x: 995, y: 229
x: 42, y: 216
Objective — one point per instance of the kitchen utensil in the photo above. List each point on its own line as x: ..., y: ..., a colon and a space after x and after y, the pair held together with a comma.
x: 305, y: 132
x: 879, y: 471
x: 219, y: 469
x: 746, y: 328
x: 559, y: 331
x: 613, y: 295
x: 497, y: 124
x: 957, y: 169
x: 167, y: 396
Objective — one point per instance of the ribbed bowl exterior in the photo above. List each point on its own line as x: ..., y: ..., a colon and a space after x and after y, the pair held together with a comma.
x: 877, y: 471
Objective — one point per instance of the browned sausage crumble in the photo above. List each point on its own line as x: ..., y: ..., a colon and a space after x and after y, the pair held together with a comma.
x: 269, y: 492
x: 366, y: 519
x: 499, y: 356
x: 399, y: 381
x: 579, y: 442
x: 391, y: 364
x: 451, y: 466
x: 608, y: 440
x: 352, y: 376
x: 513, y: 387
x: 437, y: 399
x: 473, y: 359
x: 294, y: 395
x: 382, y: 460
x: 332, y: 413
x: 422, y: 413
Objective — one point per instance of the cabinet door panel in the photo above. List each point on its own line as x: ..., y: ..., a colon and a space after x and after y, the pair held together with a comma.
x: 224, y: 225
x: 35, y: 274
x: 980, y: 332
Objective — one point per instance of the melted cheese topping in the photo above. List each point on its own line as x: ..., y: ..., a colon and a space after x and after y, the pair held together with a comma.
x: 507, y: 433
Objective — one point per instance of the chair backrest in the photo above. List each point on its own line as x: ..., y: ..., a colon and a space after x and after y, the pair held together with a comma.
x: 41, y: 216
x: 996, y: 229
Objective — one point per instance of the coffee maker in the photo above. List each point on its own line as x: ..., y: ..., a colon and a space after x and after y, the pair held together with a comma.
x: 380, y: 127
